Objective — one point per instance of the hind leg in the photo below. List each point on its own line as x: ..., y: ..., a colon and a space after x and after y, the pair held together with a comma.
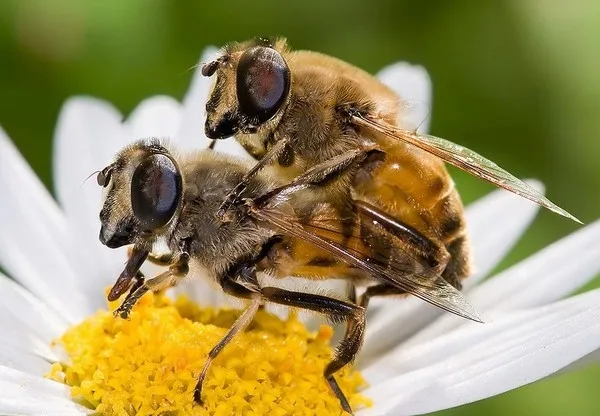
x: 378, y: 290
x: 337, y: 311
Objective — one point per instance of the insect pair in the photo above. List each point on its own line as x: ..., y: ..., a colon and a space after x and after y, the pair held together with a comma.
x: 340, y: 191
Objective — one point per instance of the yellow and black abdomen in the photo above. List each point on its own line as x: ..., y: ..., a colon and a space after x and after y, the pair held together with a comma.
x: 415, y: 188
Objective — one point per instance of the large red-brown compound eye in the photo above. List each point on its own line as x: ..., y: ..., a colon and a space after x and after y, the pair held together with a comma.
x: 156, y: 189
x: 263, y: 83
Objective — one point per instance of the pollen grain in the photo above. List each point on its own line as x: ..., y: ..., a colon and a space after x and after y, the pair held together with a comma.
x: 148, y: 365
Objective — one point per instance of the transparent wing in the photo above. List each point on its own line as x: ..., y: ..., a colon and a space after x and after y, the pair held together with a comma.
x: 427, y: 286
x: 464, y: 159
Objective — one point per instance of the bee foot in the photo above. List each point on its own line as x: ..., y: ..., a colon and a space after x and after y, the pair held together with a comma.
x: 198, y: 396
x: 122, y: 312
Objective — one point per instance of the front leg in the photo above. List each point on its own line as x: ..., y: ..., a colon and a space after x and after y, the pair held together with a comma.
x: 273, y: 154
x: 164, y: 280
x: 318, y: 175
x: 165, y: 259
x: 137, y: 256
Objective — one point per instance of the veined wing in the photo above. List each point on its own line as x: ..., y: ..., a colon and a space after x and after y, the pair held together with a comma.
x: 427, y: 286
x: 464, y: 159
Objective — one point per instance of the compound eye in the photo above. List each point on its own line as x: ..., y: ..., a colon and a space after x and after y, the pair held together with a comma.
x: 156, y: 190
x: 263, y: 83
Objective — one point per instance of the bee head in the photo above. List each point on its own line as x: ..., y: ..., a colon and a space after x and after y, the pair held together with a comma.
x: 143, y: 193
x: 252, y: 85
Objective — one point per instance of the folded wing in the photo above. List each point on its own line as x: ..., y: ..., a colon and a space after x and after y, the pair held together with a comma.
x: 463, y: 158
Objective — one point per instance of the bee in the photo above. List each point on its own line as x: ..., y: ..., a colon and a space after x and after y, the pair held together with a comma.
x: 275, y: 229
x: 299, y: 109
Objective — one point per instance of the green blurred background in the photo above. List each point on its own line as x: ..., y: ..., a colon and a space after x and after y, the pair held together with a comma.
x: 517, y: 80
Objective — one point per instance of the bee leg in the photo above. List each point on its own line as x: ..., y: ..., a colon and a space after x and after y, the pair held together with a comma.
x: 165, y: 259
x: 240, y: 324
x: 264, y: 253
x: 162, y: 281
x: 139, y: 281
x: 319, y: 174
x: 239, y: 281
x: 162, y: 259
x: 137, y: 257
x: 231, y: 287
x: 267, y: 159
x: 378, y: 290
x: 330, y: 169
x: 430, y: 252
x: 338, y: 311
x: 211, y: 145
x: 351, y: 292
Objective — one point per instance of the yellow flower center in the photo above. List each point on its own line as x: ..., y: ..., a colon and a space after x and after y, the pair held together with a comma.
x: 149, y: 364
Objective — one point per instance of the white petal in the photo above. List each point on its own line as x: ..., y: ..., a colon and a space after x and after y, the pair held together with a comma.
x: 231, y: 146
x: 31, y: 324
x: 413, y: 85
x: 550, y: 274
x: 480, y: 361
x: 88, y: 135
x: 412, y: 357
x: 191, y: 133
x: 491, y: 240
x: 35, y: 237
x: 201, y: 291
x: 158, y: 116
x: 90, y: 128
x: 24, y: 394
x: 24, y: 346
x: 13, y: 356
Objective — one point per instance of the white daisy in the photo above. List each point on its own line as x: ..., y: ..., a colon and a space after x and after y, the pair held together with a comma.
x: 416, y: 359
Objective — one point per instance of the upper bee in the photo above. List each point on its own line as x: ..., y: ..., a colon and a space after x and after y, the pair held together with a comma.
x: 262, y: 81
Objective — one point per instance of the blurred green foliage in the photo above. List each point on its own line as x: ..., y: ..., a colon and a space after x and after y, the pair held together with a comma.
x: 516, y: 80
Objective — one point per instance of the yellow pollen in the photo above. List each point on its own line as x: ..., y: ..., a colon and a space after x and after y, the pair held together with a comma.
x: 149, y: 364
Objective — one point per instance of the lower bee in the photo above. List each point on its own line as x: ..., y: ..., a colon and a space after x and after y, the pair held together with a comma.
x: 275, y: 229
